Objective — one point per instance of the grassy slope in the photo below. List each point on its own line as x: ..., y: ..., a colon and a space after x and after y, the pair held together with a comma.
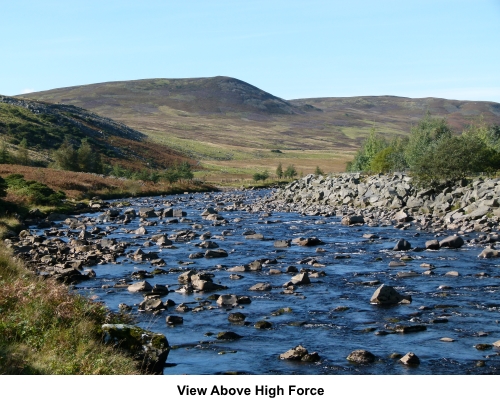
x: 231, y: 126
x: 46, y: 125
x: 44, y: 329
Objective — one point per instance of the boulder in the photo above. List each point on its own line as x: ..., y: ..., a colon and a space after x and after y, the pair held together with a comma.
x: 261, y: 287
x: 236, y: 317
x: 228, y: 336
x: 282, y: 243
x: 352, y: 220
x: 300, y: 353
x: 489, y: 253
x: 149, y: 349
x: 432, y: 244
x: 410, y: 359
x: 141, y: 286
x: 386, y: 295
x: 361, y: 356
x: 211, y: 254
x: 174, y: 320
x: 263, y: 325
x: 402, y: 245
x: 301, y: 279
x: 452, y: 242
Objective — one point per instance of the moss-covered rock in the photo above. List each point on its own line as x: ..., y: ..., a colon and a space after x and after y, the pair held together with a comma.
x: 149, y: 349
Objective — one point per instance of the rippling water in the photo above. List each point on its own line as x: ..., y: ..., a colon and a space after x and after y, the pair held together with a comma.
x: 470, y: 304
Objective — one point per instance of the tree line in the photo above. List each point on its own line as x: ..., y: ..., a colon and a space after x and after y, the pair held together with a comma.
x: 431, y: 152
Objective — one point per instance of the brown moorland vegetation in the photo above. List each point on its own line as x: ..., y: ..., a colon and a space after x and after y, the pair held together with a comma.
x: 231, y: 127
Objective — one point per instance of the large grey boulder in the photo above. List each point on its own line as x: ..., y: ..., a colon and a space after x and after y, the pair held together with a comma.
x: 402, y: 245
x: 141, y: 286
x: 211, y: 254
x: 386, y: 295
x: 452, y: 242
x: 489, y: 253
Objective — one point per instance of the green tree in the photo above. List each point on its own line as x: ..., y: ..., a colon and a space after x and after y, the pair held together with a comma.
x: 66, y: 158
x: 279, y: 171
x: 185, y: 171
x: 261, y: 176
x: 318, y: 171
x: 171, y: 175
x: 423, y: 139
x: 88, y: 160
x: 22, y: 157
x: 4, y: 152
x: 455, y: 158
x: 290, y: 172
x: 369, y: 148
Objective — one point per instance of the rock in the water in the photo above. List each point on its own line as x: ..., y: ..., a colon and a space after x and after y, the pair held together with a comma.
x: 489, y: 253
x: 263, y: 325
x: 149, y: 349
x: 352, y: 220
x: 386, y: 295
x: 210, y: 254
x: 402, y: 244
x: 282, y: 243
x: 361, y: 356
x: 236, y: 317
x: 301, y: 279
x: 261, y: 287
x: 228, y: 336
x: 452, y: 242
x: 174, y: 320
x: 140, y: 286
x: 410, y: 359
x: 300, y: 353
x: 432, y: 244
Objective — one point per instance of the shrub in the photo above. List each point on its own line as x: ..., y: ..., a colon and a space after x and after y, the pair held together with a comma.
x: 33, y: 191
x: 290, y: 172
x: 369, y: 149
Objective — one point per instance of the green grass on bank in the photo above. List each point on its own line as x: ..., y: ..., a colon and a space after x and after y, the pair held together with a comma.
x: 45, y: 329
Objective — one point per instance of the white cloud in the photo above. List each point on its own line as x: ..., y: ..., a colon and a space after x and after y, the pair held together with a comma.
x: 26, y: 91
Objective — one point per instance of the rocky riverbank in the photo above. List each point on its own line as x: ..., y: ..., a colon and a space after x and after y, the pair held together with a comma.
x: 467, y: 206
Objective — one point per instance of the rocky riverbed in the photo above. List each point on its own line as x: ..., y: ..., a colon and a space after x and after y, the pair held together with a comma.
x: 345, y: 275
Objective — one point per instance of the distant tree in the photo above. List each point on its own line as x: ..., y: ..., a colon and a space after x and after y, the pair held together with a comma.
x: 185, y: 171
x: 4, y: 152
x: 290, y: 172
x: 369, y: 148
x: 22, y: 157
x: 66, y: 158
x: 88, y: 160
x: 454, y: 159
x: 279, y: 171
x: 261, y: 176
x: 171, y: 175
x: 424, y: 137
x: 318, y: 171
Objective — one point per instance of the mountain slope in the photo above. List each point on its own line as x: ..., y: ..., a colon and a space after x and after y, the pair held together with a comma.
x: 45, y: 126
x: 233, y: 126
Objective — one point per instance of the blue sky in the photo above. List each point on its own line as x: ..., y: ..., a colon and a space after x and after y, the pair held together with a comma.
x: 292, y: 49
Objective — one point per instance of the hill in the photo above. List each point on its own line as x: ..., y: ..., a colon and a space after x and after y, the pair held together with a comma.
x: 232, y: 126
x: 45, y: 126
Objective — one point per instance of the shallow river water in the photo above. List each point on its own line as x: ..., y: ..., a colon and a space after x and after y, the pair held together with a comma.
x: 332, y: 315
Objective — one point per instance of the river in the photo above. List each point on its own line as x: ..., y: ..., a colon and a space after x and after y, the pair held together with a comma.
x: 331, y: 316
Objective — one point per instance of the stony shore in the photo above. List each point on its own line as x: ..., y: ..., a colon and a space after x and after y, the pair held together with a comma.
x: 467, y: 206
